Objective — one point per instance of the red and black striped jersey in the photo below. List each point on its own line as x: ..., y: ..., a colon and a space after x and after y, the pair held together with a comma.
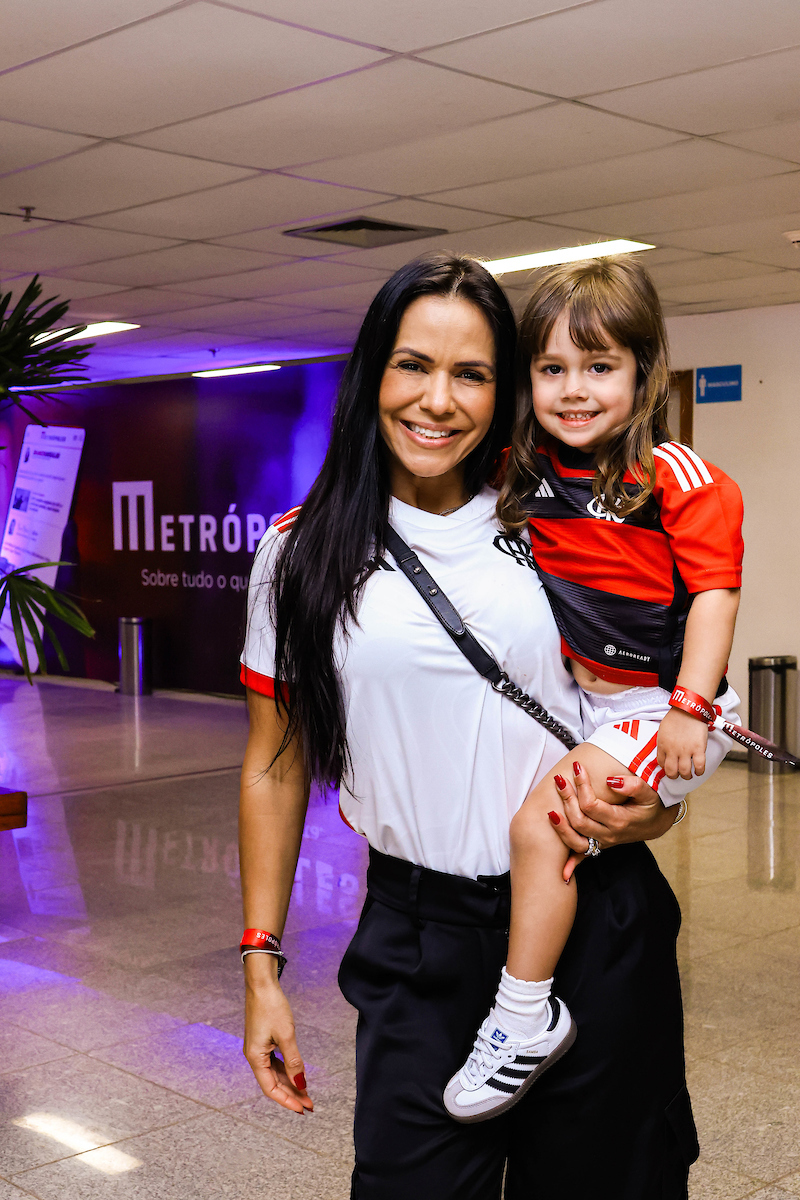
x: 620, y: 587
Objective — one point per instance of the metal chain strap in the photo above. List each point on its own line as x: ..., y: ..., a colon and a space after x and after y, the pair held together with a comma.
x: 514, y: 693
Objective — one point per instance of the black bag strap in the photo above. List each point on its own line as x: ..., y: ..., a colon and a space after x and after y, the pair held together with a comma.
x: 448, y: 616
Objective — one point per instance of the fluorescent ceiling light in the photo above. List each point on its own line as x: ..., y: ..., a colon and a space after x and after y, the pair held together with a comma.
x: 99, y: 329
x: 107, y: 1159
x: 236, y: 371
x: 548, y: 258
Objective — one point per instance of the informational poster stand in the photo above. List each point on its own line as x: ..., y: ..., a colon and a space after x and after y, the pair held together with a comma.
x: 41, y: 499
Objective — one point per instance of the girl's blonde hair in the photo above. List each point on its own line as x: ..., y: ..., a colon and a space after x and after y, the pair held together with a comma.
x: 603, y: 298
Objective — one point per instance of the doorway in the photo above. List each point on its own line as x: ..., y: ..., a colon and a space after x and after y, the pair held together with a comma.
x: 680, y: 406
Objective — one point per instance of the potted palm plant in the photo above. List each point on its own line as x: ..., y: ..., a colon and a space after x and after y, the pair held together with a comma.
x: 35, y: 357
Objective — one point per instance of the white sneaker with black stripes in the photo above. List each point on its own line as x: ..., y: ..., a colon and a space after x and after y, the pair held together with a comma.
x: 500, y: 1070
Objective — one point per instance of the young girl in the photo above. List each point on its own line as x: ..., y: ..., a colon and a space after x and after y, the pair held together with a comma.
x: 638, y: 544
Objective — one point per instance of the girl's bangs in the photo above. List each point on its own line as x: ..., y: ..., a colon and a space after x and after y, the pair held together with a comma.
x: 593, y: 320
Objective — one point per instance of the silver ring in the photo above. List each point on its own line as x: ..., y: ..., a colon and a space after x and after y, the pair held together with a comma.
x: 594, y: 848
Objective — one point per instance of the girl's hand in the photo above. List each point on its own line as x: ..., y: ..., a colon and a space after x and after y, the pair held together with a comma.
x: 682, y: 741
x: 639, y: 817
x: 269, y: 1026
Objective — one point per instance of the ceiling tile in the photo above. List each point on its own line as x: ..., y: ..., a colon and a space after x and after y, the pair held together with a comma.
x: 312, y: 325
x: 777, y: 254
x: 776, y: 283
x: 406, y: 26
x: 408, y: 212
x: 781, y: 139
x: 739, y: 96
x: 707, y: 269
x: 230, y: 313
x: 650, y: 173
x: 138, y: 303
x: 107, y: 177
x: 494, y: 241
x: 250, y: 204
x: 54, y: 247
x: 183, y: 63
x: 557, y: 136
x: 740, y: 236
x: 345, y: 298
x: 392, y: 102
x: 184, y: 339
x: 74, y: 290
x: 276, y: 281
x: 593, y: 47
x: 758, y: 197
x: 192, y: 261
x: 24, y: 145
x: 31, y: 30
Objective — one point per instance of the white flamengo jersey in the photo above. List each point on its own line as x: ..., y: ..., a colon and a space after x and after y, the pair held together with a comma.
x: 440, y: 761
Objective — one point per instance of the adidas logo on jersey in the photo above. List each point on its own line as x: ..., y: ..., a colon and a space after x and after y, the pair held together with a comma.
x: 629, y: 727
x: 544, y: 491
x: 689, y: 470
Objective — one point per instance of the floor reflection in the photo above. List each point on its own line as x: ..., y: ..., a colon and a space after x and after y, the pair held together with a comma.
x: 771, y: 832
x: 120, y: 984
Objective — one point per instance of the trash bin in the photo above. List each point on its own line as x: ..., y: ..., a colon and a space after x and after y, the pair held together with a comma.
x: 134, y: 656
x: 773, y: 707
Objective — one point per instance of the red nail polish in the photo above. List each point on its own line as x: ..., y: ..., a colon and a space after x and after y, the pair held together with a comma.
x: 560, y: 782
x: 576, y: 767
x: 299, y: 1082
x: 615, y: 782
x: 555, y: 818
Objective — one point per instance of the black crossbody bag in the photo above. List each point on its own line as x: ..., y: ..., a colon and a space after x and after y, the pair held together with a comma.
x: 483, y: 662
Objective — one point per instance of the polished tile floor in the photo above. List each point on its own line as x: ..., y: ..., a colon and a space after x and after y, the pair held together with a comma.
x: 121, y: 1073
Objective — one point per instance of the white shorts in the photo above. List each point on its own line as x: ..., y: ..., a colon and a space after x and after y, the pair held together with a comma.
x: 625, y: 725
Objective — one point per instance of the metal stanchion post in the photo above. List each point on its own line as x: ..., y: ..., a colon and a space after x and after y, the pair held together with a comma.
x: 773, y: 707
x: 134, y: 656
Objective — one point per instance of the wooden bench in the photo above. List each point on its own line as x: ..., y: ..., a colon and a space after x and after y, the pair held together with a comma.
x: 13, y: 809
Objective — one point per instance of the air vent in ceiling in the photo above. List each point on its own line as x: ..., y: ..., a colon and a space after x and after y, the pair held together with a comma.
x: 364, y: 232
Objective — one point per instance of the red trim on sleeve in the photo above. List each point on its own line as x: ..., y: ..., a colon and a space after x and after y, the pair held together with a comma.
x: 262, y: 683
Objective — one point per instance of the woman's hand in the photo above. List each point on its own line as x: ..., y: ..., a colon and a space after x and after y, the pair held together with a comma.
x: 639, y: 817
x: 269, y: 1026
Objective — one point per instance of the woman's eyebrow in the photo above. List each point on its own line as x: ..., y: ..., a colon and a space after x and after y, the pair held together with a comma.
x: 415, y: 353
x: 475, y: 362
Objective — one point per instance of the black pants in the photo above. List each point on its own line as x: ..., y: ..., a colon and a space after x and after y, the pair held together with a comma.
x: 611, y: 1121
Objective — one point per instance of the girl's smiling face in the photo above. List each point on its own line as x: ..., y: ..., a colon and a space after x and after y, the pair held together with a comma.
x: 582, y: 397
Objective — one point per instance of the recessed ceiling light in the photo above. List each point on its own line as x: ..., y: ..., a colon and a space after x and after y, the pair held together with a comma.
x: 235, y: 371
x: 549, y: 258
x: 793, y: 236
x: 364, y: 232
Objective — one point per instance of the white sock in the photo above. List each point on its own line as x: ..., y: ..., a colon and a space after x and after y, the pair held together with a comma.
x: 520, y: 1008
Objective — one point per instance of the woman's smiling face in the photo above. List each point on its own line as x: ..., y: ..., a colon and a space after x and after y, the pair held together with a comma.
x: 437, y: 394
x: 582, y: 397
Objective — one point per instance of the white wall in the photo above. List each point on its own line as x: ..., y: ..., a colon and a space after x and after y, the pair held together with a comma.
x: 757, y: 442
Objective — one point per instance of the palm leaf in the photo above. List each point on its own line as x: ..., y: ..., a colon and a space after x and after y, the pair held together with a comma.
x: 30, y: 600
x: 28, y: 365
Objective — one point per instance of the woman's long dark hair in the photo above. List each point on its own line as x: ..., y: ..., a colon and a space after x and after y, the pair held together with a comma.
x: 322, y: 566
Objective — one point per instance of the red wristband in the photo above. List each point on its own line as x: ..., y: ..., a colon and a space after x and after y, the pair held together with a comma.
x: 693, y: 704
x: 259, y: 939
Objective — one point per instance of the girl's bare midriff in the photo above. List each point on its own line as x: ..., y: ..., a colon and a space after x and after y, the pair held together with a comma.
x: 591, y: 683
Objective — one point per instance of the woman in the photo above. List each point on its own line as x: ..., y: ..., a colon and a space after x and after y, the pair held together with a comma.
x: 433, y: 764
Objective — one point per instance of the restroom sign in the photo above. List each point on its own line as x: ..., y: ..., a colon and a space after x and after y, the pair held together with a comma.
x: 717, y: 385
